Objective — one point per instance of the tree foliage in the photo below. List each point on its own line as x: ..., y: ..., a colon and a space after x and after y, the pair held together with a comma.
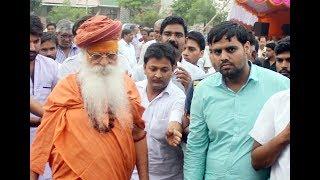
x: 66, y: 11
x: 35, y: 6
x: 136, y: 6
x: 197, y: 11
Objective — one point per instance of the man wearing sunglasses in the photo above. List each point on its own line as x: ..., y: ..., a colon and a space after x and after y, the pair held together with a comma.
x: 92, y: 126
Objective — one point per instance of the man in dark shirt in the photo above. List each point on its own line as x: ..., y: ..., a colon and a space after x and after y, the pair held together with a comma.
x: 270, y: 62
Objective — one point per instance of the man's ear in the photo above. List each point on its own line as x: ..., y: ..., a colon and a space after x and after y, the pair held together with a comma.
x: 247, y: 47
x: 201, y: 53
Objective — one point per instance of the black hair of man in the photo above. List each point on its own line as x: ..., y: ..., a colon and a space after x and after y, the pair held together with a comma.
x: 126, y: 32
x: 198, y: 37
x: 159, y: 51
x: 271, y: 45
x: 49, y: 37
x: 283, y: 45
x: 51, y: 24
x: 262, y: 37
x: 229, y: 29
x: 36, y: 27
x: 79, y: 22
x: 173, y: 20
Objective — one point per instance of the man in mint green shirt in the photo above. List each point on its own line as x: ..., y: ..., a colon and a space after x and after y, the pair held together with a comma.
x: 224, y: 108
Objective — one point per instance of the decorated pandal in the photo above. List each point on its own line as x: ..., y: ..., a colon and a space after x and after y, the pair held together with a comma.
x: 274, y: 12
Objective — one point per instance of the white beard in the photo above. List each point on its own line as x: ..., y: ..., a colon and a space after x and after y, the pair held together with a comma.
x: 103, y: 88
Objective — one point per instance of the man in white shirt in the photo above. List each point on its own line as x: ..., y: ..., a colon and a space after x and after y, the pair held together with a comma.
x: 164, y: 106
x: 156, y: 27
x: 173, y: 30
x: 126, y: 48
x: 194, y: 49
x: 262, y: 47
x: 271, y: 133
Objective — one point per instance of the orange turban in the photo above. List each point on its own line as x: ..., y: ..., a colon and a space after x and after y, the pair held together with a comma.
x: 97, y: 29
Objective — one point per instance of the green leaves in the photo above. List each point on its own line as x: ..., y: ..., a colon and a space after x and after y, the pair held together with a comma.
x: 61, y: 12
x: 197, y: 11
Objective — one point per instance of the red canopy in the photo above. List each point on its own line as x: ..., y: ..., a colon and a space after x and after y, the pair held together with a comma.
x: 274, y: 12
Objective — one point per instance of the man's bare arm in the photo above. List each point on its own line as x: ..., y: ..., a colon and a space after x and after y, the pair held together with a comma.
x: 35, y: 107
x: 142, y: 159
x: 264, y: 156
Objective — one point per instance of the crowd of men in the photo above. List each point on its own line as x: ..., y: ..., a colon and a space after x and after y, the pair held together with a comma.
x: 160, y: 103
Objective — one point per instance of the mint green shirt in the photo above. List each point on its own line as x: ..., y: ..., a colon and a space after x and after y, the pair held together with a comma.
x: 219, y: 146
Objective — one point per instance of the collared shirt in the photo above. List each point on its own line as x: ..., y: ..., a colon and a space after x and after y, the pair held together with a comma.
x: 272, y: 120
x: 194, y: 71
x: 262, y: 52
x: 69, y: 66
x: 165, y: 162
x: 61, y: 56
x: 143, y: 51
x: 45, y: 78
x: 128, y: 51
x: 219, y: 145
x: 266, y: 64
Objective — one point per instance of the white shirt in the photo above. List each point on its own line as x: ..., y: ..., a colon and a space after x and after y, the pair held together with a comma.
x: 165, y: 162
x: 273, y: 118
x: 45, y: 79
x: 128, y: 51
x: 143, y: 51
x: 138, y: 73
x: 69, y: 66
x: 194, y: 71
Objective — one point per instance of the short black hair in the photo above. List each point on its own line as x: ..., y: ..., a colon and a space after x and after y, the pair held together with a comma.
x: 229, y: 29
x: 271, y: 45
x: 173, y: 20
x: 51, y: 24
x: 160, y: 50
x: 283, y: 45
x: 36, y: 27
x: 49, y: 37
x: 126, y: 32
x: 79, y: 22
x: 198, y: 37
x: 262, y: 37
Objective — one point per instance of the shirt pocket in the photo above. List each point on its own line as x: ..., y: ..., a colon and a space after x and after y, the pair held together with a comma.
x: 43, y: 91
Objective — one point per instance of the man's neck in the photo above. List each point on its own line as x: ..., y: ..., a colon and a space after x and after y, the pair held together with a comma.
x: 66, y: 50
x: 151, y: 93
x: 236, y: 83
x: 126, y: 41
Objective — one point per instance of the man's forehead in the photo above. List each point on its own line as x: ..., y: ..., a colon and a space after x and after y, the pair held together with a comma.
x: 174, y: 28
x: 34, y: 37
x: 284, y: 55
x: 65, y: 32
x: 225, y: 42
x: 191, y: 43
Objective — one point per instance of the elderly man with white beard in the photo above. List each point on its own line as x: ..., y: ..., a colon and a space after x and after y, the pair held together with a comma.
x: 92, y: 126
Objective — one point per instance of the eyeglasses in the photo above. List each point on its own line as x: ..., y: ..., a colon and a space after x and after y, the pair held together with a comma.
x: 98, y: 56
x: 66, y: 36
